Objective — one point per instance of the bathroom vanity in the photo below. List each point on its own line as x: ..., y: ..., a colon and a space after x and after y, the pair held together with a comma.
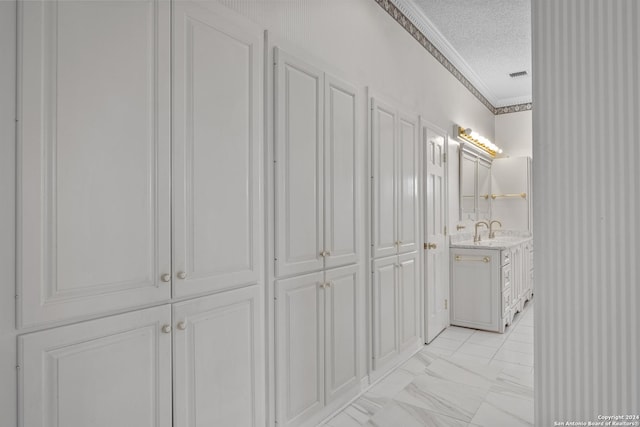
x: 490, y: 281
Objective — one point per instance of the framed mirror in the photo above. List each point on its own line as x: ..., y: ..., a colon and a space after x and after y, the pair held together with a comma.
x: 475, y: 184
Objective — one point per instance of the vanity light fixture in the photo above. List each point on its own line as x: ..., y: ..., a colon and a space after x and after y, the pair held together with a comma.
x: 479, y: 141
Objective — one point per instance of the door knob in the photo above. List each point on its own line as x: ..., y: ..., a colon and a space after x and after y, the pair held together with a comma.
x: 166, y: 329
x: 431, y: 246
x: 182, y: 325
x: 165, y: 277
x: 182, y: 275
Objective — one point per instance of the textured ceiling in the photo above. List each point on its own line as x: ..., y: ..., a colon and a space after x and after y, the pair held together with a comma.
x: 485, y: 39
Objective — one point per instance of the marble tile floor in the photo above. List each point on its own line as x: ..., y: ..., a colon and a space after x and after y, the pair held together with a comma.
x: 463, y: 378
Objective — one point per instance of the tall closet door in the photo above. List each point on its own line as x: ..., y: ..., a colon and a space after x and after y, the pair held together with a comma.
x: 407, y: 184
x: 410, y: 299
x: 115, y: 371
x: 93, y: 158
x: 341, y: 332
x: 300, y: 348
x: 383, y: 137
x: 219, y: 360
x: 341, y: 173
x: 385, y: 310
x: 217, y: 147
x: 299, y: 189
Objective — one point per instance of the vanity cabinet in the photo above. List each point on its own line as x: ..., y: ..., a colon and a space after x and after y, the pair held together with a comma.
x: 316, y: 169
x: 394, y: 180
x: 396, y: 307
x: 489, y: 286
x: 316, y: 342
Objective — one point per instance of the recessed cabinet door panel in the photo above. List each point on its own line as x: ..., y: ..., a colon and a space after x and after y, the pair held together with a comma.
x: 93, y: 157
x: 217, y: 150
x: 384, y: 180
x: 410, y: 297
x: 109, y: 372
x: 341, y: 308
x: 385, y: 310
x: 300, y: 348
x: 299, y: 164
x: 475, y: 296
x: 218, y: 360
x: 341, y: 173
x: 407, y: 184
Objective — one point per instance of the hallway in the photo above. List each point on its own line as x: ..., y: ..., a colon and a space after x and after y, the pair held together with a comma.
x: 463, y: 378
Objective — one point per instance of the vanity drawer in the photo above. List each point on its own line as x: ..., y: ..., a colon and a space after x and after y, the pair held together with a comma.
x: 506, y: 257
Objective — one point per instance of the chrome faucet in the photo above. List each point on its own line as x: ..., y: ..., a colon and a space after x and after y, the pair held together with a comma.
x: 476, y: 236
x: 492, y: 233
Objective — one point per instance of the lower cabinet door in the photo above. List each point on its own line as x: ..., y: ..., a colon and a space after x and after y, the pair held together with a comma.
x: 341, y: 331
x: 114, y: 371
x: 218, y: 352
x: 299, y: 348
x: 385, y: 311
x: 409, y: 297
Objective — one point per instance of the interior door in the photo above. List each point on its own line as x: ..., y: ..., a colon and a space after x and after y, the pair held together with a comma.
x: 299, y: 348
x: 218, y: 360
x: 436, y: 254
x: 217, y: 147
x: 114, y: 371
x: 94, y: 172
x: 385, y: 310
x: 342, y: 337
x: 384, y: 189
x: 407, y: 184
x: 299, y: 234
x: 341, y: 173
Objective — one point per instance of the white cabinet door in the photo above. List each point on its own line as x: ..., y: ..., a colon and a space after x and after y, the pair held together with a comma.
x: 341, y: 173
x: 219, y: 360
x: 475, y: 289
x: 407, y: 179
x: 385, y: 310
x: 409, y: 300
x: 93, y: 157
x: 383, y: 169
x: 299, y: 230
x: 217, y: 151
x: 300, y: 348
x: 114, y: 371
x: 341, y: 331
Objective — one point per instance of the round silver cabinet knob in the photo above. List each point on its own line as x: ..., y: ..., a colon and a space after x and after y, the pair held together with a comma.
x: 166, y: 329
x: 182, y: 326
x: 165, y: 277
x: 182, y: 275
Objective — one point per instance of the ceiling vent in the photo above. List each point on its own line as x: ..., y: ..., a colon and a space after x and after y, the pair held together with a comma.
x: 518, y: 74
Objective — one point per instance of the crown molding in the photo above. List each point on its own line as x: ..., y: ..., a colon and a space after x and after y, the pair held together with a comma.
x: 422, y: 29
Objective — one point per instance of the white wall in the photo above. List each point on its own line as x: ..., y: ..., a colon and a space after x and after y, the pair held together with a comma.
x: 514, y: 133
x: 7, y: 207
x: 586, y: 149
x: 368, y: 47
